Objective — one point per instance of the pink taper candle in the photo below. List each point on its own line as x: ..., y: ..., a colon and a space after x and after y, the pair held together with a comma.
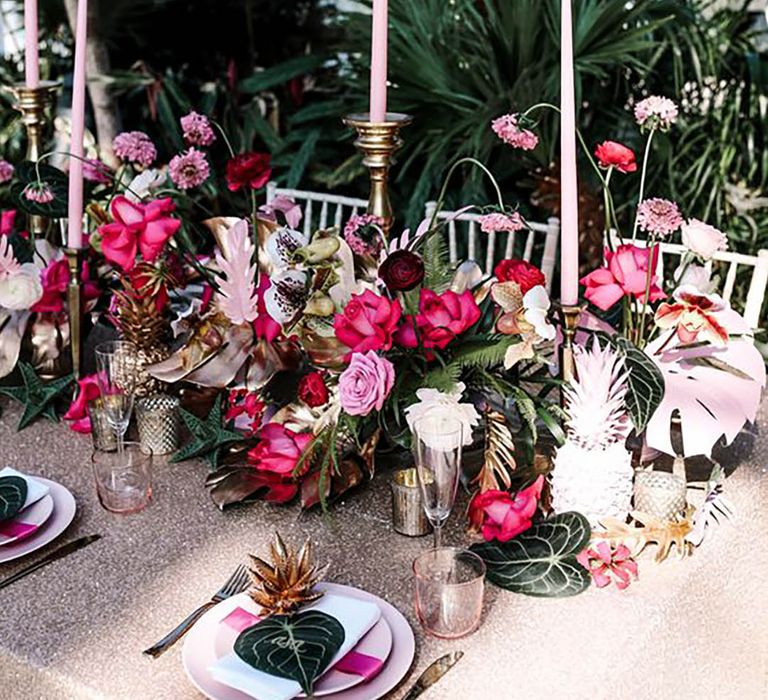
x: 75, y: 211
x: 569, y: 246
x: 378, y: 107
x: 31, y: 59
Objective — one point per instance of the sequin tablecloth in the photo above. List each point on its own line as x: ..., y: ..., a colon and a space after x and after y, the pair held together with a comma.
x: 75, y: 629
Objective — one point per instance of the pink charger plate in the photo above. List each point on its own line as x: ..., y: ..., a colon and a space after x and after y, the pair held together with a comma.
x: 202, y: 647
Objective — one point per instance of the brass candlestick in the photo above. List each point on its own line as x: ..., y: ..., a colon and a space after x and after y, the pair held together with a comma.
x: 34, y: 105
x: 569, y: 315
x: 378, y: 141
x: 74, y: 260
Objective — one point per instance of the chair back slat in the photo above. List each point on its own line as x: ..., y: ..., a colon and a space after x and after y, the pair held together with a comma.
x: 489, y: 256
x: 320, y: 203
x: 730, y: 281
x: 471, y: 254
x: 528, y: 252
x: 453, y: 254
x: 337, y: 219
x: 308, y: 218
x: 324, y: 215
x: 756, y: 293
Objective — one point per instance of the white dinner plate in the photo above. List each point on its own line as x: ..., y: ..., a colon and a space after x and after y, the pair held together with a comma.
x: 64, y: 508
x: 35, y: 515
x: 391, y: 639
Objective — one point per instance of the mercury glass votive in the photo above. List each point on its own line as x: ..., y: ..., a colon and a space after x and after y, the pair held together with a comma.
x: 157, y: 417
x: 408, y: 516
x: 102, y: 433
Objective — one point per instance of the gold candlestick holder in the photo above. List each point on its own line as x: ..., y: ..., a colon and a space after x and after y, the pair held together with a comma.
x: 35, y: 105
x: 74, y: 261
x: 569, y: 315
x: 378, y: 141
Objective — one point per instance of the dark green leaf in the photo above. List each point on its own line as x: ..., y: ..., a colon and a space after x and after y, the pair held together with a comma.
x: 281, y: 73
x: 13, y: 494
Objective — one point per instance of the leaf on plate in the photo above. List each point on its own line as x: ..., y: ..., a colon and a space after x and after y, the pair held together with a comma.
x: 298, y: 647
x: 542, y: 560
x: 13, y: 494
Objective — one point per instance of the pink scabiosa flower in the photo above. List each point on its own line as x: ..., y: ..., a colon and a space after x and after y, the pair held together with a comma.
x: 39, y: 192
x: 197, y: 130
x: 659, y: 217
x: 96, y: 171
x: 6, y: 171
x: 363, y: 233
x: 189, y: 169
x: 656, y: 112
x: 607, y: 564
x: 498, y: 222
x: 134, y: 147
x: 509, y: 130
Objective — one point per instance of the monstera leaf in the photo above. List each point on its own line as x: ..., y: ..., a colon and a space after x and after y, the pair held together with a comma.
x: 542, y: 560
x: 13, y: 494
x: 28, y: 173
x: 298, y: 647
x: 714, y: 390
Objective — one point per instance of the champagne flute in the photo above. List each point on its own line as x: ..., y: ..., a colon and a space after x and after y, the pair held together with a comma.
x: 437, y: 448
x: 117, y: 365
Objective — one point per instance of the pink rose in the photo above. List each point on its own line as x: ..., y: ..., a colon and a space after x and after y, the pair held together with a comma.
x: 626, y: 273
x: 279, y: 449
x: 702, y: 239
x: 368, y: 322
x: 366, y: 383
x: 441, y: 318
x: 502, y: 516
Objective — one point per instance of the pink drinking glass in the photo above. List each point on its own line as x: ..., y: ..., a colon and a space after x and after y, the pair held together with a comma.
x: 123, y: 479
x: 450, y: 583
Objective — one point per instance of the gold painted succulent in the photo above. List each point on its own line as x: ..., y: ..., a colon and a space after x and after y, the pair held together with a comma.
x: 286, y: 584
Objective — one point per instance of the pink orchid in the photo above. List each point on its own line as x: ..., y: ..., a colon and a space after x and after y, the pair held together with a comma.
x: 625, y: 273
x: 284, y: 205
x: 137, y: 227
x: 78, y: 415
x: 607, y: 564
x: 265, y: 326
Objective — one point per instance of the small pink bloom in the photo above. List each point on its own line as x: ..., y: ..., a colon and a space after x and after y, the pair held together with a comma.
x: 55, y: 279
x: 366, y: 383
x: 702, y: 239
x: 607, y: 564
x: 96, y: 171
x: 6, y: 171
x: 77, y: 414
x: 498, y: 222
x: 135, y: 147
x: 500, y: 515
x: 368, y: 322
x: 659, y: 217
x: 441, y: 318
x: 693, y: 316
x: 611, y: 154
x: 284, y: 205
x: 625, y: 274
x: 656, y: 113
x: 39, y: 192
x: 364, y: 235
x: 265, y: 327
x: 7, y: 221
x: 189, y: 169
x: 197, y: 130
x: 137, y: 227
x: 508, y: 129
x: 279, y: 449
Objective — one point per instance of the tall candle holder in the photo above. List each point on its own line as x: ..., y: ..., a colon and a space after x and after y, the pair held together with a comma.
x: 74, y: 261
x: 35, y: 105
x: 569, y: 315
x: 378, y: 141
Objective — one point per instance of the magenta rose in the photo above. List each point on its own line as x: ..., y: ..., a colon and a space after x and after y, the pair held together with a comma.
x: 279, y: 449
x: 441, y: 318
x: 368, y: 322
x: 366, y: 383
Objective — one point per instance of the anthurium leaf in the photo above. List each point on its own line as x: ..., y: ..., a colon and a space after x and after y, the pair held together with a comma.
x: 29, y: 173
x: 13, y: 494
x: 542, y: 560
x: 299, y: 647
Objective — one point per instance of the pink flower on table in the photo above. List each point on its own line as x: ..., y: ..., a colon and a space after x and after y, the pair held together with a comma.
x: 285, y: 206
x: 6, y: 171
x: 134, y: 147
x: 366, y: 383
x: 607, y: 564
x: 500, y: 515
x: 441, y: 318
x: 659, y: 217
x: 189, y: 169
x: 96, y: 171
x: 77, y: 414
x: 702, y: 239
x: 279, y: 449
x: 368, y: 322
x: 656, y: 112
x: 625, y: 273
x: 692, y: 315
x: 137, y: 227
x: 498, y: 222
x: 39, y: 192
x: 197, y: 129
x: 508, y: 129
x: 363, y: 234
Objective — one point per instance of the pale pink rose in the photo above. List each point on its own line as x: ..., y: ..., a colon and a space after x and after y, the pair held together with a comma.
x: 366, y: 383
x: 702, y: 239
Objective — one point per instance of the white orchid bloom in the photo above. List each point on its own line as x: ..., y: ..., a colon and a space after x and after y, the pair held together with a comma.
x: 287, y: 295
x: 536, y: 305
x: 282, y: 244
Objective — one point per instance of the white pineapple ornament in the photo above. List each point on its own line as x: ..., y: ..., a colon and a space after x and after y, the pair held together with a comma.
x: 592, y: 471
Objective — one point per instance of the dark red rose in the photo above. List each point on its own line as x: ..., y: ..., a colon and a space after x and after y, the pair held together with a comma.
x: 615, y: 155
x: 525, y: 274
x: 312, y: 390
x: 402, y: 271
x: 248, y: 170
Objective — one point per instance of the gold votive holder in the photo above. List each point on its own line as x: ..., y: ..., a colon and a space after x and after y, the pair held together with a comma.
x: 157, y: 418
x: 102, y: 433
x: 408, y: 516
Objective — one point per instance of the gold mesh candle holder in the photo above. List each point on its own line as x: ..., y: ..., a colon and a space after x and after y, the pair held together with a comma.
x: 157, y: 417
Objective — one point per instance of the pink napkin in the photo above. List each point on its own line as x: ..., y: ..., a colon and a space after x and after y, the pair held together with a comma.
x: 354, y: 662
x: 17, y: 529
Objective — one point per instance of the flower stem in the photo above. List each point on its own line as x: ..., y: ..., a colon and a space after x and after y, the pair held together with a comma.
x: 642, y: 325
x: 642, y: 179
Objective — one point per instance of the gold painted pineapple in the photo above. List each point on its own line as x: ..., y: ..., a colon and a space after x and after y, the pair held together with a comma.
x: 286, y: 584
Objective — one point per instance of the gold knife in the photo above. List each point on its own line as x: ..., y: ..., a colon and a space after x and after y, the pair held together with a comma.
x: 55, y: 555
x: 433, y: 673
